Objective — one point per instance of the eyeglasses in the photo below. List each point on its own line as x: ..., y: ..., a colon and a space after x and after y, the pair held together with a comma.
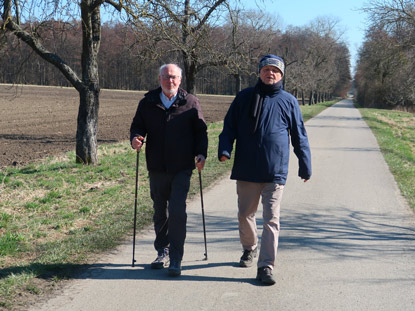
x: 167, y: 77
x: 271, y: 69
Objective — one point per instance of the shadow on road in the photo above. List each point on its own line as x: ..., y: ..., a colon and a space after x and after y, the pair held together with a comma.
x: 144, y: 272
x: 341, y: 232
x: 334, y: 230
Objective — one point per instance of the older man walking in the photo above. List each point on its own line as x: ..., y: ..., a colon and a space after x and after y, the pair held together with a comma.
x: 176, y: 132
x: 261, y: 120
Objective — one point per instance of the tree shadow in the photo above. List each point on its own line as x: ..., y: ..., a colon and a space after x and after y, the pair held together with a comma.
x: 336, y: 231
x: 111, y: 271
x: 341, y: 232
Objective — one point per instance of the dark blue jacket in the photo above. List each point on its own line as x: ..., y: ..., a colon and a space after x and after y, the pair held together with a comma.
x: 263, y: 156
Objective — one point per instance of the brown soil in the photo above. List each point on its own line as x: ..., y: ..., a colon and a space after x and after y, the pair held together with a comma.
x: 36, y: 122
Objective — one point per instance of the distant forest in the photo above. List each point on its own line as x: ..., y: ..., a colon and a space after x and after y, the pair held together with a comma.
x: 317, y: 63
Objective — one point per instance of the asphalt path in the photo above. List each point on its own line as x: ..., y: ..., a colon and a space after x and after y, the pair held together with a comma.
x: 347, y: 242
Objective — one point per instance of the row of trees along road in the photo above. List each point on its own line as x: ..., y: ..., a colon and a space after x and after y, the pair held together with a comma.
x: 385, y: 74
x: 216, y: 42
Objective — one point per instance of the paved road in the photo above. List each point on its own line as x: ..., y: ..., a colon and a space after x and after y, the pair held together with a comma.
x: 347, y: 242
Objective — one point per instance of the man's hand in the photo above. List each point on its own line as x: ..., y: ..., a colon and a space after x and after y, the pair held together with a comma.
x: 137, y: 142
x: 200, y: 162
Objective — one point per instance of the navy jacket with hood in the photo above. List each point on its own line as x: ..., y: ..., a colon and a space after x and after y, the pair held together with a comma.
x: 263, y: 156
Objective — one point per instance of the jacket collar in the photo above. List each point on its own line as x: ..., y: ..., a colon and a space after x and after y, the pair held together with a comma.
x: 265, y: 89
x: 154, y: 96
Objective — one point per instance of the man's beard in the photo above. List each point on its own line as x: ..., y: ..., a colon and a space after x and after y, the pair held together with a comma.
x: 169, y: 91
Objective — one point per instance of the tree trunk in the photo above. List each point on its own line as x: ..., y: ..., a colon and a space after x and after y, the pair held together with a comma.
x: 190, y: 74
x: 311, y: 99
x: 87, y: 126
x: 238, y: 83
x: 86, y: 134
x: 88, y: 86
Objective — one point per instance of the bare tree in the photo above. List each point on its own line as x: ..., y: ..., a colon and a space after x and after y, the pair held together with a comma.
x: 384, y: 76
x: 15, y: 12
x: 293, y: 47
x: 395, y: 16
x: 385, y: 73
x: 249, y: 36
x: 185, y: 28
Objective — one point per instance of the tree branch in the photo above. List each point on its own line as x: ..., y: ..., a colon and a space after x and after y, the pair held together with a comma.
x: 44, y: 53
x: 207, y: 15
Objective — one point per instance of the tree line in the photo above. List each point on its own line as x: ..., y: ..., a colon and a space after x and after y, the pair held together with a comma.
x: 385, y: 73
x: 317, y: 62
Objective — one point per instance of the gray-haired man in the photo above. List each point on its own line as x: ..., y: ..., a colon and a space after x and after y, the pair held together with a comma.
x: 176, y: 134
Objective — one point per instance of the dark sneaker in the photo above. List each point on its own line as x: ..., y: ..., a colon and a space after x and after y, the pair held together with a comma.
x: 247, y: 258
x: 265, y: 276
x: 175, y: 268
x: 162, y: 259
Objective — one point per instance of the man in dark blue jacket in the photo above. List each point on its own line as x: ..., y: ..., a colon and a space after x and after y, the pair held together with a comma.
x: 261, y: 120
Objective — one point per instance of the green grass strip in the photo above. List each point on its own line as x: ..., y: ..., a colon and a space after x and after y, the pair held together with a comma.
x: 395, y: 133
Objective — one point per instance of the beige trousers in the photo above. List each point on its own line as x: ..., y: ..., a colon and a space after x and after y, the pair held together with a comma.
x: 249, y: 194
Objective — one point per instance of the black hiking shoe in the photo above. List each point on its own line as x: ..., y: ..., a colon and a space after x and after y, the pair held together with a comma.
x: 265, y: 276
x: 162, y: 259
x: 175, y: 268
x: 247, y: 258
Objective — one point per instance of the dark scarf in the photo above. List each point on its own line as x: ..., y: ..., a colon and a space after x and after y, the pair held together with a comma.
x: 257, y: 101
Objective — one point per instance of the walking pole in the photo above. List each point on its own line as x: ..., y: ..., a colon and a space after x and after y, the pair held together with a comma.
x: 203, y: 214
x: 135, y: 204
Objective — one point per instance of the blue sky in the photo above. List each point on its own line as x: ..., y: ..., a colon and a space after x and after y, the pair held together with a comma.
x: 302, y: 12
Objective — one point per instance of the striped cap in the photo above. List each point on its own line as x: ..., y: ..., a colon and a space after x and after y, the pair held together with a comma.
x: 272, y: 60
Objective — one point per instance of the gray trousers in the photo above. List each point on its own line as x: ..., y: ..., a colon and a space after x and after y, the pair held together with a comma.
x: 249, y: 194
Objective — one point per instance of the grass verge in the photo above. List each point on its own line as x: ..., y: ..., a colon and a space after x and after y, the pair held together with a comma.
x: 56, y: 215
x: 395, y: 133
x: 309, y: 111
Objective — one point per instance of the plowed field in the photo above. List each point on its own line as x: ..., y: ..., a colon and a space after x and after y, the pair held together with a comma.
x: 37, y: 122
